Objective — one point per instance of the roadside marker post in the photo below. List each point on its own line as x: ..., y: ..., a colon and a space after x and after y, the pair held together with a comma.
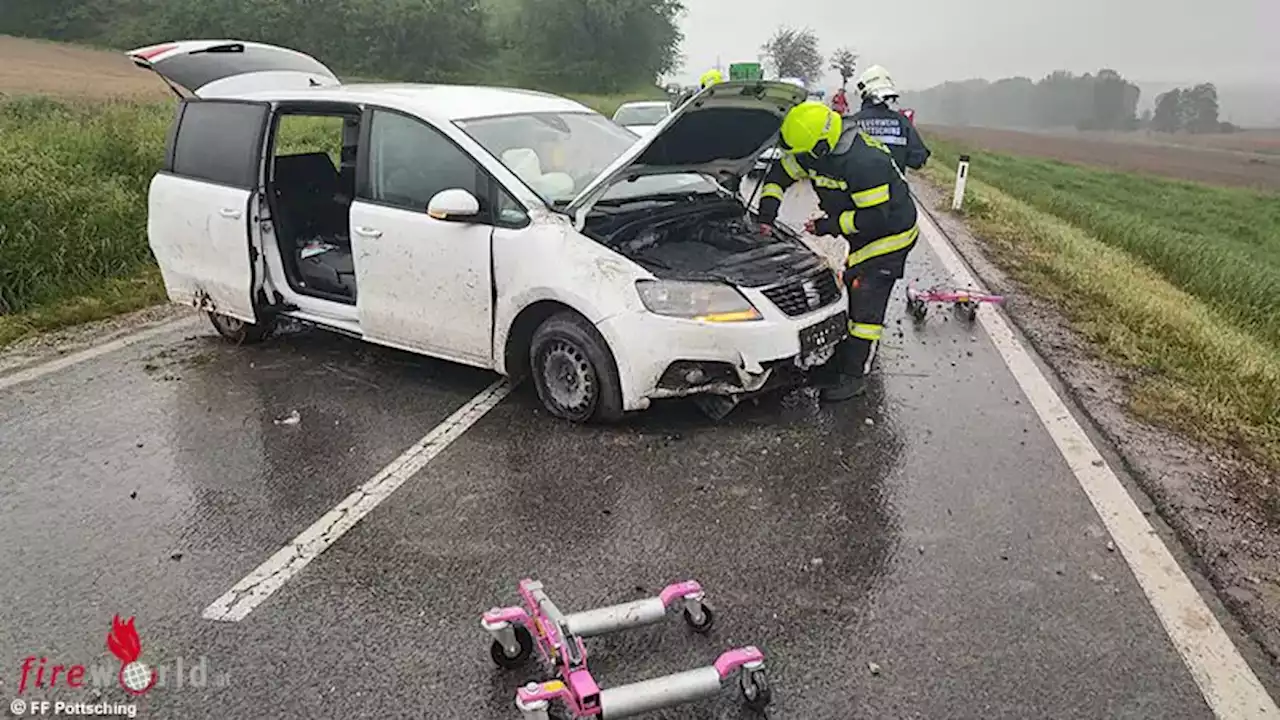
x: 962, y: 174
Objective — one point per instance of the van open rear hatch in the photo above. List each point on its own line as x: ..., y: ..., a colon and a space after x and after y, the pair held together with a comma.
x: 227, y: 68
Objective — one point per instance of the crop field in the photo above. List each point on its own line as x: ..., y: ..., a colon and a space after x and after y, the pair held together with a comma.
x: 1248, y: 159
x: 83, y: 132
x: 34, y: 67
x: 1173, y: 279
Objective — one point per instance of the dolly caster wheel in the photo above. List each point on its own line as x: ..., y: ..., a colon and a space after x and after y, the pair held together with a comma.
x: 708, y: 619
x: 968, y: 311
x: 917, y: 309
x: 755, y: 689
x: 499, y: 653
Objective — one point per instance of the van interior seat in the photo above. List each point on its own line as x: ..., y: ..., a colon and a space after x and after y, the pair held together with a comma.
x: 309, y: 192
x: 312, y: 213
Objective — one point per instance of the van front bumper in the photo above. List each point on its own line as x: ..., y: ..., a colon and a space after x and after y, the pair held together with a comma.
x: 663, y: 357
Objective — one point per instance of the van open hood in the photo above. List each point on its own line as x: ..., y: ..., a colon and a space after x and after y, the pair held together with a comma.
x: 720, y: 130
x: 228, y: 68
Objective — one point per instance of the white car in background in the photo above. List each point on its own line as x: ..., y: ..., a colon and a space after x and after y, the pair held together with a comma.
x: 506, y: 229
x: 641, y: 116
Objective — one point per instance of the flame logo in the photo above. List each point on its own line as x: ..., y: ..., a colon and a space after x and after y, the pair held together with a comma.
x: 135, y: 677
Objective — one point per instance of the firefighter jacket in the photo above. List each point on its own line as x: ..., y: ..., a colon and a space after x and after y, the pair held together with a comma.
x: 862, y: 193
x: 894, y: 130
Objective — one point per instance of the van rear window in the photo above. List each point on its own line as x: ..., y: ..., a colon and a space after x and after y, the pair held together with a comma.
x: 220, y: 141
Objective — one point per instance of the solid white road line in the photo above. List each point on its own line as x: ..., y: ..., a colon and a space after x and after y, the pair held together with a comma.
x: 66, y: 361
x: 1228, y: 684
x: 271, y: 575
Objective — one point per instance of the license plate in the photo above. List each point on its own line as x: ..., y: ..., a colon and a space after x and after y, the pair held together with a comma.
x: 823, y: 335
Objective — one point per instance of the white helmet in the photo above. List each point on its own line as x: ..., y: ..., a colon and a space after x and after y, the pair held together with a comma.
x: 876, y: 85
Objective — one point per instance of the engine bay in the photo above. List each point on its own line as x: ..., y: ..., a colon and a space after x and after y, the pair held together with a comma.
x: 703, y: 238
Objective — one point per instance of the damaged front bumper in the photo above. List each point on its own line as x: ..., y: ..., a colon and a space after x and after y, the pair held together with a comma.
x: 660, y: 357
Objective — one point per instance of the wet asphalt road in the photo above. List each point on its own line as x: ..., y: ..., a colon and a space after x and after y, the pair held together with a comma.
x: 930, y: 528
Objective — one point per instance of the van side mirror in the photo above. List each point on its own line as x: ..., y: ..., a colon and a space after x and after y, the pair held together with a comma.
x: 453, y: 204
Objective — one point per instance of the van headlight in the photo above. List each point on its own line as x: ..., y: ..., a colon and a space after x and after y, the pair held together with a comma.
x: 707, y: 301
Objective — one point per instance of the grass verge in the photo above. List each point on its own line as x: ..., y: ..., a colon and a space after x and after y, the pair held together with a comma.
x: 1122, y: 267
x: 73, y: 204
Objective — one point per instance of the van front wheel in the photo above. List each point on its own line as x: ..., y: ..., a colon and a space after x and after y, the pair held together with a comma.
x: 239, y: 331
x: 574, y: 371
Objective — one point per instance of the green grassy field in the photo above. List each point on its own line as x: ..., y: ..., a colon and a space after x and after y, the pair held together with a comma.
x: 1175, y: 280
x: 73, y: 205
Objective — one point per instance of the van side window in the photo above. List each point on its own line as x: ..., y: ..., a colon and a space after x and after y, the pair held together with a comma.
x: 410, y: 161
x: 220, y: 142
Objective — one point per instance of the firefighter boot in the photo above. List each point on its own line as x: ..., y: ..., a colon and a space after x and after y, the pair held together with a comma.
x: 850, y: 362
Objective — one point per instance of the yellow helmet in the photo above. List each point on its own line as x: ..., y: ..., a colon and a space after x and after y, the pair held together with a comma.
x: 710, y: 77
x: 811, y: 127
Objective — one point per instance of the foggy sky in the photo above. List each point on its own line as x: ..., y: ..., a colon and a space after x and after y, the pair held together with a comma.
x: 925, y: 42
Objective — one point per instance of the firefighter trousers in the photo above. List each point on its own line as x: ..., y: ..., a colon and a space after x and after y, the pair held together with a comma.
x: 869, y: 292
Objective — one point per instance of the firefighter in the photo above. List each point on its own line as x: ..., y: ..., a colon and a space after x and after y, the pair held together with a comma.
x: 840, y: 102
x: 891, y: 127
x: 865, y: 200
x: 709, y: 78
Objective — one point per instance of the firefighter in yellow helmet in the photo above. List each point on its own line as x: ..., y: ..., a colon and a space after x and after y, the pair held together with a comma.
x: 709, y: 78
x: 864, y: 200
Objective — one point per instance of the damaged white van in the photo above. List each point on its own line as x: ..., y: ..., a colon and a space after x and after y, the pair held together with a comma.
x: 505, y: 229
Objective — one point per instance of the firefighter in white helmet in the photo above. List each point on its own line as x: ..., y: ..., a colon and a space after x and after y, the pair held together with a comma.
x: 885, y: 123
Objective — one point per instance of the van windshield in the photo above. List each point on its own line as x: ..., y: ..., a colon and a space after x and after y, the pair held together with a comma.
x: 558, y: 154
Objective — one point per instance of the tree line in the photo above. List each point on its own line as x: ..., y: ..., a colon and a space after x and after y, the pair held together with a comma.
x: 1193, y: 109
x: 594, y: 46
x: 1102, y: 101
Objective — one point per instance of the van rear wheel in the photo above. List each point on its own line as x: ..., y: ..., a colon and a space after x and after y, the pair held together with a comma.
x: 239, y: 331
x: 574, y: 371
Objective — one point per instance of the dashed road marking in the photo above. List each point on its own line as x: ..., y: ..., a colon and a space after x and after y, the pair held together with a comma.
x: 66, y: 361
x: 1225, y: 679
x: 271, y: 575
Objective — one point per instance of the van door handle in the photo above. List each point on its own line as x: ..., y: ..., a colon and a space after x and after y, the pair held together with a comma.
x: 231, y: 213
x: 369, y: 232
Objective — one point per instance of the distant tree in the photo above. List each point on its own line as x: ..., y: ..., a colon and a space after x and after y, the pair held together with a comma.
x: 1167, y: 116
x: 794, y: 53
x: 595, y: 45
x: 845, y: 62
x: 1145, y: 120
x: 1200, y: 108
x: 1112, y: 95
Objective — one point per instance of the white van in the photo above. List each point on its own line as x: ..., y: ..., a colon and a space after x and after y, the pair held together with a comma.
x: 505, y: 229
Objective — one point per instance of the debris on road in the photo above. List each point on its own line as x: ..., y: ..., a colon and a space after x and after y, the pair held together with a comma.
x: 874, y: 668
x: 133, y: 495
x: 293, y: 418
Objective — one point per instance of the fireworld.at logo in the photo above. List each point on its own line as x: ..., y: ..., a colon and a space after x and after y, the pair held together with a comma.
x: 133, y: 675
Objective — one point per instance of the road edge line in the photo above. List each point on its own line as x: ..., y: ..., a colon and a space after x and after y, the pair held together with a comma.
x: 48, y: 367
x: 1225, y: 679
x: 235, y: 604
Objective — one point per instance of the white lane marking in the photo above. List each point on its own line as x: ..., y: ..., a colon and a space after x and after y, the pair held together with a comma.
x: 271, y: 575
x: 1227, y: 682
x: 66, y: 361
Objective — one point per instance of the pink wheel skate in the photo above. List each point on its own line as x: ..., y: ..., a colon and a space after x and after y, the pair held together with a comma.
x: 963, y: 301
x: 558, y: 637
